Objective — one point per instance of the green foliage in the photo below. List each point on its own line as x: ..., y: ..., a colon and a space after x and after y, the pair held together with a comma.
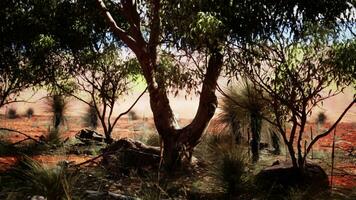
x: 207, y: 28
x: 36, y: 38
x: 298, y: 73
x: 344, y: 62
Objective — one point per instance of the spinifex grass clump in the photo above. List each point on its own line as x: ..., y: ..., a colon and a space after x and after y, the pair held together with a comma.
x: 230, y: 169
x: 30, y: 178
x: 91, y: 117
x: 229, y: 163
x: 153, y: 139
x: 53, y: 137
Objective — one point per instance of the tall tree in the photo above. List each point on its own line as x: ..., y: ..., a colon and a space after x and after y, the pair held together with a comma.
x: 33, y: 32
x: 206, y: 26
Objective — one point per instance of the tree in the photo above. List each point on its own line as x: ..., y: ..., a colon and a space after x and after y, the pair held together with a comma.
x: 16, y: 70
x: 32, y: 33
x: 104, y: 78
x: 210, y: 23
x: 297, y: 74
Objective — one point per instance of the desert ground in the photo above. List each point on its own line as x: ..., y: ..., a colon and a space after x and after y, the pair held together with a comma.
x: 184, y: 108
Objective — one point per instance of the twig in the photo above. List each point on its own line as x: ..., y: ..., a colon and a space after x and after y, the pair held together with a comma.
x: 90, y: 160
x: 19, y: 132
x: 13, y: 144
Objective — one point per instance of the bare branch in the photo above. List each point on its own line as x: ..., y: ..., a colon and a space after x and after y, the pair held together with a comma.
x: 19, y: 132
x: 128, y: 110
x: 330, y: 129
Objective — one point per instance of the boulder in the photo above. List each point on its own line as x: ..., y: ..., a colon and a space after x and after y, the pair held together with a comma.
x: 281, y: 177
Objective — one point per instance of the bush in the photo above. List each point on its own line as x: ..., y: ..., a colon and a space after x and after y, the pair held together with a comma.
x: 321, y: 118
x: 153, y: 140
x: 32, y: 178
x: 29, y: 112
x: 12, y: 113
x: 229, y: 168
x: 133, y: 115
x: 53, y: 137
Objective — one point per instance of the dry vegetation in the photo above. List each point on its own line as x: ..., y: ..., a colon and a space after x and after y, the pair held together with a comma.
x: 222, y: 170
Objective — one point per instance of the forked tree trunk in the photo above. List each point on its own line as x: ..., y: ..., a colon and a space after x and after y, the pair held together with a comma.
x: 180, y: 142
x: 176, y: 141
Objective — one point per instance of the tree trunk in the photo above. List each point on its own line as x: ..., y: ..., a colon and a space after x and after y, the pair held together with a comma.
x: 256, y: 123
x: 180, y: 142
x: 175, y: 140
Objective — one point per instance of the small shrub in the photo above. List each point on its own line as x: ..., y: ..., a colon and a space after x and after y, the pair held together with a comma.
x: 12, y: 113
x: 230, y: 167
x: 133, y: 115
x: 33, y: 179
x: 153, y: 140
x: 53, y: 138
x: 29, y: 112
x: 321, y: 118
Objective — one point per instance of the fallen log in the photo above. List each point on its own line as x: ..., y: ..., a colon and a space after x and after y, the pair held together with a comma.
x: 126, y: 154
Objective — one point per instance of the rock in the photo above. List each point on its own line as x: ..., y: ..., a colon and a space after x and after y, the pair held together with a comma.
x: 90, y: 194
x: 282, y: 177
x: 86, y: 135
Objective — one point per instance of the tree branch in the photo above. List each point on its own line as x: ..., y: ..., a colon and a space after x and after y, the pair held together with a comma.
x: 330, y: 129
x: 118, y: 31
x: 128, y: 110
x: 21, y: 133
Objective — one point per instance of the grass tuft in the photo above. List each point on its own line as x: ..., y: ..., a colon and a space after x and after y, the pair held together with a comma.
x: 230, y: 169
x: 30, y: 178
